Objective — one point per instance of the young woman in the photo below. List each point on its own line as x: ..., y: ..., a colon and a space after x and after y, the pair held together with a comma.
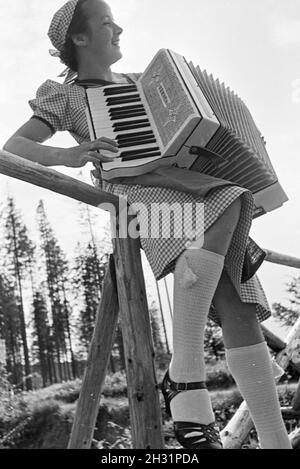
x: 216, y: 279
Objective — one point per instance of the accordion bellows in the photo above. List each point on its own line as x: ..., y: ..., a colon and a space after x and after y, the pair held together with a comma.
x: 238, y: 139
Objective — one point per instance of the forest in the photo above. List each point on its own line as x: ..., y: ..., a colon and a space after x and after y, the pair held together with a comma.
x: 48, y: 303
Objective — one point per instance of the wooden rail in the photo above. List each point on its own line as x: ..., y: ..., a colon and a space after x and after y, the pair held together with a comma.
x: 38, y: 175
x: 282, y: 259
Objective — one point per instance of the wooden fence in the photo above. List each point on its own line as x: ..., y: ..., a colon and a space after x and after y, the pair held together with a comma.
x: 124, y: 290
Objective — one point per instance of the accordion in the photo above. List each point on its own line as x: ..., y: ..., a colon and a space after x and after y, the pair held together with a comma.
x: 176, y: 114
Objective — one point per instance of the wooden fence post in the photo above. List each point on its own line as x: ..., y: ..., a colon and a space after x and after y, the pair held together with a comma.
x: 143, y: 393
x: 95, y: 373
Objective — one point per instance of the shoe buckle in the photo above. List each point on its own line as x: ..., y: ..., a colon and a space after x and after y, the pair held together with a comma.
x: 182, y: 387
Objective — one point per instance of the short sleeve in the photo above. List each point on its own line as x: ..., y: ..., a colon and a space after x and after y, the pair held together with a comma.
x: 50, y: 105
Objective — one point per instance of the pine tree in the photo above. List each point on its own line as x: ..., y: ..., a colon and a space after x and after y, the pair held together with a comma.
x: 67, y: 315
x: 89, y: 272
x: 288, y: 315
x: 57, y: 273
x: 18, y: 252
x: 43, y: 344
x: 101, y: 244
x: 10, y: 332
x: 88, y: 275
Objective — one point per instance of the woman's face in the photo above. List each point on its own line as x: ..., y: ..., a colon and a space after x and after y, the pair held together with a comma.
x: 104, y: 37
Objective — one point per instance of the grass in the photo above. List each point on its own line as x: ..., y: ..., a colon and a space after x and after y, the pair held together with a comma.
x: 43, y: 419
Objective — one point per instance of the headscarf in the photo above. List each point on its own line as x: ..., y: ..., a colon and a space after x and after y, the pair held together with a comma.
x: 58, y: 32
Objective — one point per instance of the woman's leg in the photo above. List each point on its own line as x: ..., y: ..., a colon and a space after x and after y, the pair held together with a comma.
x: 249, y: 361
x: 196, y: 277
x: 239, y: 322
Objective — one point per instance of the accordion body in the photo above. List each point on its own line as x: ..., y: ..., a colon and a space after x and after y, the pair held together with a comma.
x: 177, y: 114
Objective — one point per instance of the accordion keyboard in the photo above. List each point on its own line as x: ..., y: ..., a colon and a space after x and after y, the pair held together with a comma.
x: 119, y: 113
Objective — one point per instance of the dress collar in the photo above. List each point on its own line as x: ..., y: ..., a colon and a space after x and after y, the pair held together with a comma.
x: 93, y: 82
x: 90, y: 82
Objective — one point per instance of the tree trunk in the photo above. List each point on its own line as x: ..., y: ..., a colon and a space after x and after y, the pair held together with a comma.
x: 28, y: 379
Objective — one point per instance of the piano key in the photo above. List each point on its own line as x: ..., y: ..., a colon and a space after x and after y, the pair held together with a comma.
x: 122, y: 100
x: 122, y: 135
x: 106, y: 109
x: 126, y: 153
x: 123, y: 138
x: 119, y: 90
x: 131, y: 151
x: 126, y: 116
x: 123, y: 108
x: 136, y: 134
x: 147, y: 155
x: 106, y: 119
x: 126, y: 130
x: 128, y: 127
x: 137, y: 143
x: 132, y: 122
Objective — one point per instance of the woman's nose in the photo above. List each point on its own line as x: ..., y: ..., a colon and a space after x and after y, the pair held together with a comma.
x: 119, y: 29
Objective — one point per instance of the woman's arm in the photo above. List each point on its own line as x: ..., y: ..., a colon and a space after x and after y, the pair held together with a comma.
x: 27, y: 143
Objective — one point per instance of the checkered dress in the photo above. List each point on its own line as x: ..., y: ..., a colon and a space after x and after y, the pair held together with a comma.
x: 62, y: 108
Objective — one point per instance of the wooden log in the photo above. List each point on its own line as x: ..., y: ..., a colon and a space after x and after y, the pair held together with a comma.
x: 97, y: 364
x: 142, y: 388
x: 273, y: 341
x: 291, y: 352
x: 241, y: 421
x: 295, y: 438
x: 282, y: 259
x: 38, y: 175
x: 288, y: 413
x: 296, y: 400
x: 238, y: 428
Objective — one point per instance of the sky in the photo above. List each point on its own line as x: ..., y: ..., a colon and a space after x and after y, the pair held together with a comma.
x: 252, y: 46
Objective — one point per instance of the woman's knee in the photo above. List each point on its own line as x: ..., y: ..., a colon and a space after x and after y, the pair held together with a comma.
x: 218, y: 237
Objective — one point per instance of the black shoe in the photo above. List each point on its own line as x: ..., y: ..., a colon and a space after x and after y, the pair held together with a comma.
x: 189, y: 434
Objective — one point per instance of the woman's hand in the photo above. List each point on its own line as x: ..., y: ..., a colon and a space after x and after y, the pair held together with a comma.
x: 78, y: 156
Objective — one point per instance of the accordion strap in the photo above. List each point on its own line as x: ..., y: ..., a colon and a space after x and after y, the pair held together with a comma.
x: 213, y: 157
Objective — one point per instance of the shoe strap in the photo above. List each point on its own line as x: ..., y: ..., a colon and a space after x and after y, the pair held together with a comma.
x: 186, y: 386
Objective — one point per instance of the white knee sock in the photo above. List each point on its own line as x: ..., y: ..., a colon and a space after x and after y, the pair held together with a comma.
x: 197, y: 275
x: 252, y: 370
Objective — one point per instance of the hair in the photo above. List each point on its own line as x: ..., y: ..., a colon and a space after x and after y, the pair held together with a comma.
x: 78, y: 25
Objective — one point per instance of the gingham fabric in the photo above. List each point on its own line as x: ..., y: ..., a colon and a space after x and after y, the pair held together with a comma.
x: 62, y: 106
x: 60, y: 24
